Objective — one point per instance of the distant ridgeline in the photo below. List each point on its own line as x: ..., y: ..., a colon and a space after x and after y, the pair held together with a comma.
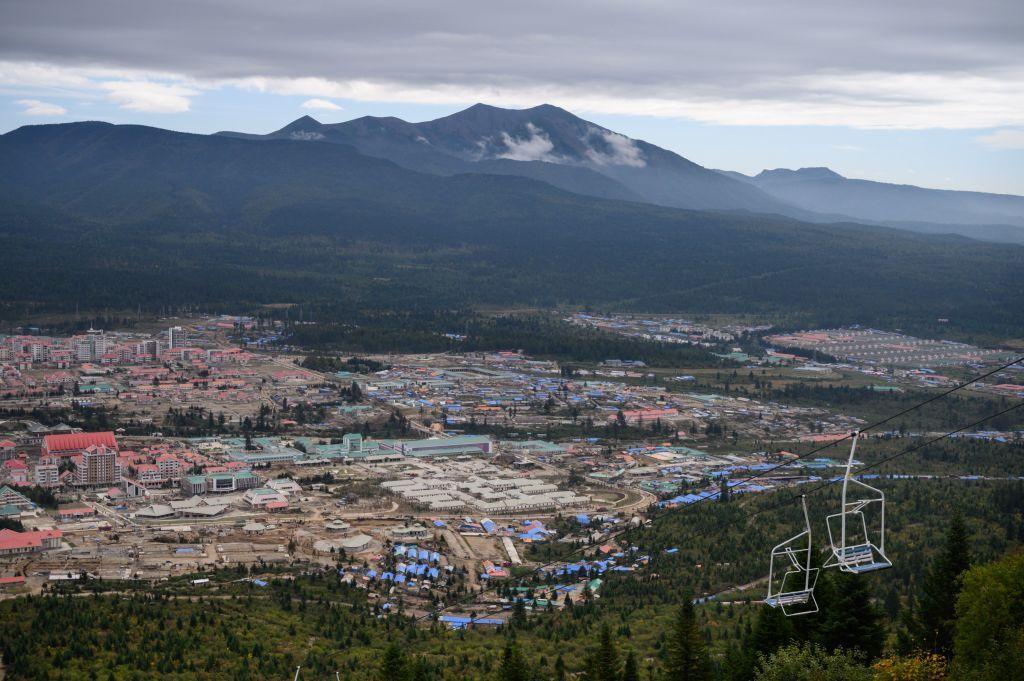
x: 97, y: 216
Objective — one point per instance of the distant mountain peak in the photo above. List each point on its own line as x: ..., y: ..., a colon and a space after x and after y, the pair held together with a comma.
x: 816, y: 173
x: 592, y: 159
x: 304, y: 128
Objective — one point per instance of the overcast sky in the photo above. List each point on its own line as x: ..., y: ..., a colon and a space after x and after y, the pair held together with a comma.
x: 929, y: 93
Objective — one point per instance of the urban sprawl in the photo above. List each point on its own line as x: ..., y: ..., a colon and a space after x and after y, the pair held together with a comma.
x: 416, y: 476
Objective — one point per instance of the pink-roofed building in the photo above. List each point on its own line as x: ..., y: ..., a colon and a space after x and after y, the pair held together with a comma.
x: 149, y: 475
x: 170, y: 467
x: 13, y: 543
x: 15, y: 471
x: 75, y: 512
x: 76, y: 443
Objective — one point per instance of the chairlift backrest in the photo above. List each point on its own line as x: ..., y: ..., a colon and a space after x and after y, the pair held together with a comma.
x: 794, y: 592
x: 855, y: 551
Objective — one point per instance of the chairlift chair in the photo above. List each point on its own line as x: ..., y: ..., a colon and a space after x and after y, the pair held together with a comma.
x: 854, y: 551
x: 794, y: 591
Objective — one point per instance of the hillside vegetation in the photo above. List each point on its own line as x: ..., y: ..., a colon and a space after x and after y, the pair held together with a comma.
x: 123, y: 216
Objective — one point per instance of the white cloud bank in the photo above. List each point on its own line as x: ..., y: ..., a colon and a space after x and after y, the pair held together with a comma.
x: 34, y: 107
x: 619, y: 151
x: 321, y: 104
x: 536, y: 146
x: 869, y: 100
x: 149, y: 96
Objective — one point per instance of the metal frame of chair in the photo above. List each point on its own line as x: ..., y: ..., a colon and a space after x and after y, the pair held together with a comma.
x: 863, y: 555
x: 797, y: 551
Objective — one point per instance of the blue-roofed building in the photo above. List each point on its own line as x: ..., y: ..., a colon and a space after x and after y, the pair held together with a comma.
x: 456, y: 622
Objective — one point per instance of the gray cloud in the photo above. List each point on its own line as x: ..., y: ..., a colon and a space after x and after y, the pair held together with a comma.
x: 865, y: 62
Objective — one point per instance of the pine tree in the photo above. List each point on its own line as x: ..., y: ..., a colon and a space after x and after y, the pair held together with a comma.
x: 772, y: 630
x: 393, y: 666
x: 687, y: 650
x: 513, y: 667
x: 604, y: 661
x: 851, y: 620
x: 420, y: 670
x: 934, y: 616
x: 631, y: 670
x: 519, y: 614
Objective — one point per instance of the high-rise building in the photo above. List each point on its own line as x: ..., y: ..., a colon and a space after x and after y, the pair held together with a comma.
x: 47, y: 472
x: 98, y: 466
x: 148, y: 348
x: 176, y: 337
x: 91, y: 346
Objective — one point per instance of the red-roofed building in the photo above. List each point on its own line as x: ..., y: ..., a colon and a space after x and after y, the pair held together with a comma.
x: 15, y: 470
x: 8, y: 582
x: 170, y: 467
x: 12, y: 543
x: 76, y: 443
x: 74, y: 511
x: 149, y: 475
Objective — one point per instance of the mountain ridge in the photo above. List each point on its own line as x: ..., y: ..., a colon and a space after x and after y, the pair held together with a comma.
x: 545, y: 134
x: 130, y: 215
x: 551, y: 144
x: 996, y: 217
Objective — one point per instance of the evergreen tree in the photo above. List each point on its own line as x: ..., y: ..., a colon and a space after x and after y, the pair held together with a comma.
x: 603, y: 664
x: 394, y: 665
x: 851, y: 621
x: 420, y: 670
x: 513, y: 667
x: 772, y: 630
x: 687, y: 650
x: 519, y: 614
x: 631, y: 669
x: 933, y: 621
x: 559, y: 668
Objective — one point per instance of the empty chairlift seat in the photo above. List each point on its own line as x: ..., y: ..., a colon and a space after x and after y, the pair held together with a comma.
x: 857, y: 532
x: 791, y: 578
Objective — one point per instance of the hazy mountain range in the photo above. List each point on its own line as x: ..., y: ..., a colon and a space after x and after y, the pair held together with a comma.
x: 121, y: 216
x: 550, y: 144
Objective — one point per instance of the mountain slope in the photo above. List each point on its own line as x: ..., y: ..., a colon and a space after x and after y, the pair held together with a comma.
x: 976, y: 214
x: 127, y: 215
x: 589, y: 159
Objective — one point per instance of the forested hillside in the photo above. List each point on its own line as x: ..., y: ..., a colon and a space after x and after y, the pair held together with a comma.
x: 119, y: 217
x: 636, y: 627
